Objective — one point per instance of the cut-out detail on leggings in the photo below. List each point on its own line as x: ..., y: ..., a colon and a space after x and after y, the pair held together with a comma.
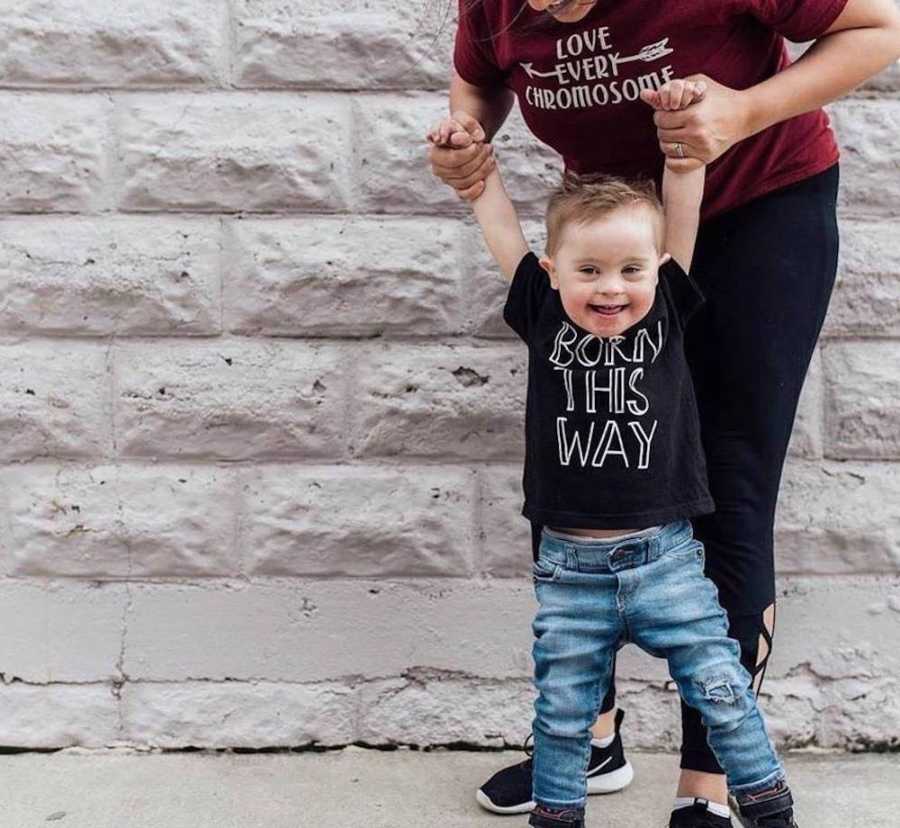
x: 764, y: 647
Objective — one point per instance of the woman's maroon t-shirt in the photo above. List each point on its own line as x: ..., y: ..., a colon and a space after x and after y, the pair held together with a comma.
x: 578, y: 84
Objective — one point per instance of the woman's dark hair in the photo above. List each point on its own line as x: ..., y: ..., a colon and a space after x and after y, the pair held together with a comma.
x: 539, y: 23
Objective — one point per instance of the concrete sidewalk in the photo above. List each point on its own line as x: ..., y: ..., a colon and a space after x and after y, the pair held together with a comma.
x: 377, y: 789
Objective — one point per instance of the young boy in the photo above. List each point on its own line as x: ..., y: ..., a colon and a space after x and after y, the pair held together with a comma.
x: 614, y: 469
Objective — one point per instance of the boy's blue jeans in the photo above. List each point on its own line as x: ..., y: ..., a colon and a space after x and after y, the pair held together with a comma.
x: 595, y: 596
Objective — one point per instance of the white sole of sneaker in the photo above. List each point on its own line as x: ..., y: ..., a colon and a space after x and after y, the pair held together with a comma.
x: 611, y: 782
x: 603, y: 784
x: 482, y: 799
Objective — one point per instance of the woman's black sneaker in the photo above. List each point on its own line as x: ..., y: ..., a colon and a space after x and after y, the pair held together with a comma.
x: 698, y: 815
x: 509, y: 790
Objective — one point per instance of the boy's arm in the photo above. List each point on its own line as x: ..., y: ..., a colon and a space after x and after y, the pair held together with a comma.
x: 682, y: 194
x: 500, y: 224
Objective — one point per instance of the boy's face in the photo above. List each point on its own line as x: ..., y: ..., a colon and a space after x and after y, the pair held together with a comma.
x: 606, y: 270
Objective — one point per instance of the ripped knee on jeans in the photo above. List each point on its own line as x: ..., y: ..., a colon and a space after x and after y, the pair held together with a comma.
x: 718, y: 689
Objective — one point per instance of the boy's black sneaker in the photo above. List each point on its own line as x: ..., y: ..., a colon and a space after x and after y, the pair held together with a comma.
x: 698, y: 815
x: 759, y: 814
x: 783, y: 819
x: 550, y: 818
x: 509, y: 790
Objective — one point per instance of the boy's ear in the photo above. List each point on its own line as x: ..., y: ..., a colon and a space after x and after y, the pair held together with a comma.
x: 547, y: 263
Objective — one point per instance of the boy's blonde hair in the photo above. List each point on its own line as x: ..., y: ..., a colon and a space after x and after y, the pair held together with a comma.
x: 582, y: 198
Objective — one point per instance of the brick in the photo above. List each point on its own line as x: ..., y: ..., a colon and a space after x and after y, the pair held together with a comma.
x: 485, y: 286
x: 840, y: 628
x: 342, y: 45
x: 121, y: 521
x: 55, y: 399
x: 309, y: 631
x: 839, y: 518
x: 866, y: 131
x: 232, y: 400
x: 391, y: 522
x: 54, y: 154
x: 426, y: 707
x: 862, y: 385
x: 238, y: 714
x: 454, y: 401
x: 323, y: 630
x: 233, y: 151
x: 505, y: 534
x: 61, y: 715
x: 60, y: 630
x: 347, y: 276
x: 99, y: 276
x: 866, y: 300
x: 394, y: 174
x: 800, y: 712
x: 111, y: 43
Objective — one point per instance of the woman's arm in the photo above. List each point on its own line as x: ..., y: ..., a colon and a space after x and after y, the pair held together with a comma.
x: 488, y: 106
x: 465, y: 166
x: 863, y: 40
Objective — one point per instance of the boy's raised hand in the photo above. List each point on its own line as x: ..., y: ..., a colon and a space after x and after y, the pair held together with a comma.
x: 674, y: 95
x: 457, y: 130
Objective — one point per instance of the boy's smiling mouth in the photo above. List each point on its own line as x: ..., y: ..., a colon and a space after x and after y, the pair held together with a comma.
x: 608, y: 310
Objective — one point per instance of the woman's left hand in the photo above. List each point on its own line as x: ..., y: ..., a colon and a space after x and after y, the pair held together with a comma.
x: 708, y: 127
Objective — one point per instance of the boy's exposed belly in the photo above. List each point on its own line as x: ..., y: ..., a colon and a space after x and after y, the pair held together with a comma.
x: 595, y: 533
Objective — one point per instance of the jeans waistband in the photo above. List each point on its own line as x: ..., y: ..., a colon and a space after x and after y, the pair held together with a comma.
x: 595, y: 554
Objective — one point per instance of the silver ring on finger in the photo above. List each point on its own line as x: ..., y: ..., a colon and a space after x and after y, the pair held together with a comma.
x: 679, y: 147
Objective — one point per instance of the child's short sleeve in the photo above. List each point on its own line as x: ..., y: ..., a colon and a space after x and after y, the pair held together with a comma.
x: 797, y: 20
x: 473, y: 54
x: 684, y: 291
x: 527, y: 293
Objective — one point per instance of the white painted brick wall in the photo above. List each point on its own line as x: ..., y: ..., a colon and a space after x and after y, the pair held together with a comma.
x: 231, y: 518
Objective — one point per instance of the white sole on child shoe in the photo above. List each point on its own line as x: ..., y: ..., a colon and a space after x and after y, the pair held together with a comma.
x: 601, y: 783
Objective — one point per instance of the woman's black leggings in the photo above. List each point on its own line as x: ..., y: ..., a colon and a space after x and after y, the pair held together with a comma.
x: 767, y: 269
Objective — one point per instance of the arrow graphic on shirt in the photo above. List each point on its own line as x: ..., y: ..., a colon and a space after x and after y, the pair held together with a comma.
x: 652, y: 52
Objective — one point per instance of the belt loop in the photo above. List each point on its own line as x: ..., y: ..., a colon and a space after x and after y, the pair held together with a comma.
x: 571, y: 557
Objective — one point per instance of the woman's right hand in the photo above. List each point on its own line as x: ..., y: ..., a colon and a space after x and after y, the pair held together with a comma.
x: 466, y: 161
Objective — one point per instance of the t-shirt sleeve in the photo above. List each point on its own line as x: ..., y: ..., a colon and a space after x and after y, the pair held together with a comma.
x: 797, y: 20
x: 683, y: 289
x: 473, y: 53
x: 527, y: 292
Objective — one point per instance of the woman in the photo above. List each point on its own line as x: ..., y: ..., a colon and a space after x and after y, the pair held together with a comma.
x: 583, y: 72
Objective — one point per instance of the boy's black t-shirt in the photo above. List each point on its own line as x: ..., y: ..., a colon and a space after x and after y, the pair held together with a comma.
x: 611, y: 429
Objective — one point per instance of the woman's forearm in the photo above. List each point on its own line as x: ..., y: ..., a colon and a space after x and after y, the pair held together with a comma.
x: 833, y: 65
x: 487, y: 106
